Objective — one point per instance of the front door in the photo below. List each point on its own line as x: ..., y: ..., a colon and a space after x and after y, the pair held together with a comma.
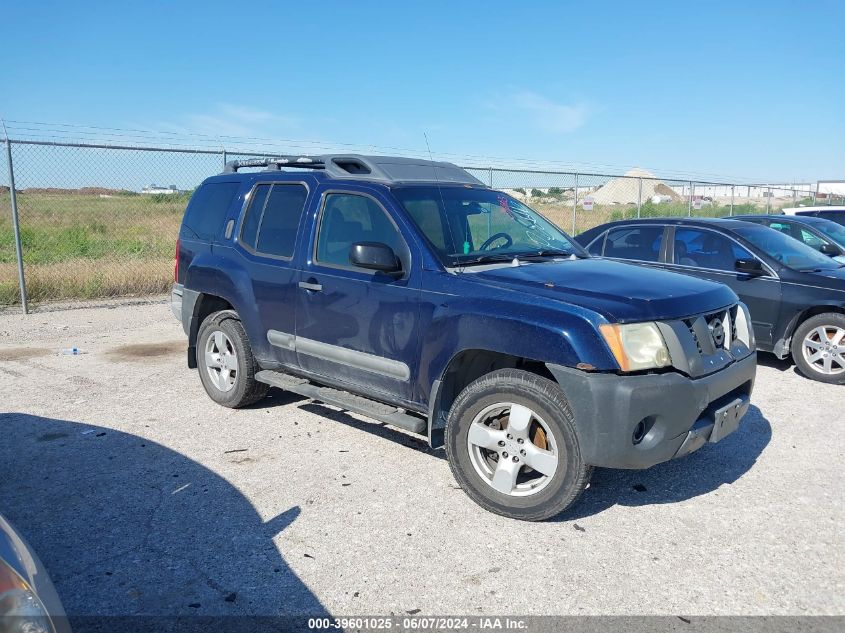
x: 354, y: 325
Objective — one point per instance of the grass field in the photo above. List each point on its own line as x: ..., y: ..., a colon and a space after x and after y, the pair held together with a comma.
x: 86, y: 246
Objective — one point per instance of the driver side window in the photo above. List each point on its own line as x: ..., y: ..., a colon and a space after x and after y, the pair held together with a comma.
x: 350, y: 218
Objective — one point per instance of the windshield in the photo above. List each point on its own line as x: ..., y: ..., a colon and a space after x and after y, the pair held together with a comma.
x: 834, y: 231
x: 788, y: 251
x: 467, y: 225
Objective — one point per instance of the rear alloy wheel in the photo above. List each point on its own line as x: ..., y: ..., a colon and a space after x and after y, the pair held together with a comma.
x: 818, y: 348
x: 226, y: 365
x: 512, y: 446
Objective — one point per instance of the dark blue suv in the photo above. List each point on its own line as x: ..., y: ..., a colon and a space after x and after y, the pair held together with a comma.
x: 408, y: 291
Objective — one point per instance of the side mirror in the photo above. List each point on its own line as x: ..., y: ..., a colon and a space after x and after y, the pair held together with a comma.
x: 374, y: 256
x: 830, y: 250
x: 749, y: 267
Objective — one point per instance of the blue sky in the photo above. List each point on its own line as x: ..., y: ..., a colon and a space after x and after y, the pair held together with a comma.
x: 721, y: 90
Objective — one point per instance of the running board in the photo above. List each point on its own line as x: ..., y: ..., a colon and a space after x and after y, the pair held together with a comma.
x: 394, y: 416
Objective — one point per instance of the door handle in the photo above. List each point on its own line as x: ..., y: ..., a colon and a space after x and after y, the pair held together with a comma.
x: 310, y: 285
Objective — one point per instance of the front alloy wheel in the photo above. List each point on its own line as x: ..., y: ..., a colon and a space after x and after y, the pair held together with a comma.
x: 512, y: 449
x: 511, y: 444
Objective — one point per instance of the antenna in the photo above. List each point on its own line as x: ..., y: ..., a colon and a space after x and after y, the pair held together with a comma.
x: 442, y: 200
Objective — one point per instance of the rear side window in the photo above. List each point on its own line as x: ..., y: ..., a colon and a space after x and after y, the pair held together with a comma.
x: 641, y: 243
x: 280, y: 222
x: 249, y: 232
x: 272, y: 219
x: 207, y: 210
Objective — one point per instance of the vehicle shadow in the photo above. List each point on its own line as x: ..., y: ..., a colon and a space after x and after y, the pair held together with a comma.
x: 697, y: 474
x: 770, y: 360
x: 128, y: 527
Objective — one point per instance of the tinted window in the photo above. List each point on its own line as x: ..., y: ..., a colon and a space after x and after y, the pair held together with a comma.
x: 253, y: 215
x: 596, y: 246
x: 834, y: 231
x: 280, y: 221
x: 635, y: 242
x: 783, y: 227
x: 707, y: 249
x: 810, y: 239
x: 347, y: 219
x: 786, y: 250
x: 836, y: 216
x: 207, y: 209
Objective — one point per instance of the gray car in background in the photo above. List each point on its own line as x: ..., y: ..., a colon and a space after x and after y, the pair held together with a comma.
x: 28, y: 600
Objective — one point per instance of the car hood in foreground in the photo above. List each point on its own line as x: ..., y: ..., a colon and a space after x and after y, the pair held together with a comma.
x: 621, y: 292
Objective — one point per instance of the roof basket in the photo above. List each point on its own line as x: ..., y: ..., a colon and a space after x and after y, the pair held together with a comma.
x: 276, y: 163
x: 386, y: 169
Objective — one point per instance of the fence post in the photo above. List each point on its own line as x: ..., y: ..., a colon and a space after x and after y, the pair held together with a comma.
x: 732, y: 199
x: 224, y: 159
x: 768, y: 199
x: 491, y: 177
x: 16, y: 227
x: 574, y: 205
x: 689, y: 201
x: 639, y: 196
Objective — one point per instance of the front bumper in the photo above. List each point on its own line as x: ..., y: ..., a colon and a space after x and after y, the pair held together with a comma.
x: 678, y: 413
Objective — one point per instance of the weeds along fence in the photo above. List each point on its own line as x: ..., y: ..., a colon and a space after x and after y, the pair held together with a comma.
x: 99, y: 221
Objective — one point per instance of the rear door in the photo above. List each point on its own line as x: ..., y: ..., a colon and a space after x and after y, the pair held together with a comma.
x: 709, y: 254
x: 268, y: 236
x: 354, y: 325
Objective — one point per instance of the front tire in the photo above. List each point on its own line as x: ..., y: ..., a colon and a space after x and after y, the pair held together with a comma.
x: 512, y: 446
x: 225, y: 362
x: 818, y: 348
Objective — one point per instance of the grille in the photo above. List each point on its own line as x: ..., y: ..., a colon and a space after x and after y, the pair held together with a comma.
x: 689, y: 324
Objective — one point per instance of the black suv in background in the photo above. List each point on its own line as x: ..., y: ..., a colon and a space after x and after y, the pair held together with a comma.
x: 795, y: 294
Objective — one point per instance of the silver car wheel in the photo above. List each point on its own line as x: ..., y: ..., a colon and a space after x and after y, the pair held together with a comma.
x: 512, y: 449
x: 221, y: 361
x: 824, y: 349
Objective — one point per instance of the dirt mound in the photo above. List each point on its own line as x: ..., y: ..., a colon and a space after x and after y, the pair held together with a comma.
x: 626, y: 190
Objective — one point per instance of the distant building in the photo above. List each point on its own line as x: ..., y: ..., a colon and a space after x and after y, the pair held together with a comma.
x: 155, y: 189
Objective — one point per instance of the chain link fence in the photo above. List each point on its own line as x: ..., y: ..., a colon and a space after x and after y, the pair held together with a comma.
x: 99, y: 221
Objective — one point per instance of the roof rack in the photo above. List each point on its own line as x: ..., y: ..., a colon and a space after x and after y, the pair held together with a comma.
x: 276, y: 163
x: 387, y: 169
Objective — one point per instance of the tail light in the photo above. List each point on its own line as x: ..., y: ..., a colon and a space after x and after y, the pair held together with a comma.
x: 176, y: 263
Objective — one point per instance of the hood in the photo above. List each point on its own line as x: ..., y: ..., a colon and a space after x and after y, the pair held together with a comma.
x: 620, y: 292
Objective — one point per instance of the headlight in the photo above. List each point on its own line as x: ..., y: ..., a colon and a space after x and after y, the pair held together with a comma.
x: 20, y: 609
x: 636, y: 346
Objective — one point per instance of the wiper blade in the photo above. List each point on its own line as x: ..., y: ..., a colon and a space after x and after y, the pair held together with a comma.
x: 483, y: 259
x: 508, y: 257
x: 549, y: 252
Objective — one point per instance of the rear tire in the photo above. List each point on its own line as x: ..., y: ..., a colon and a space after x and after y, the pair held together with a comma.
x: 225, y: 362
x: 818, y: 348
x: 512, y: 446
